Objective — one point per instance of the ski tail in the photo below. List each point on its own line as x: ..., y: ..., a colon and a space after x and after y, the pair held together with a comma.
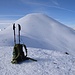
x: 14, y: 33
x: 19, y: 28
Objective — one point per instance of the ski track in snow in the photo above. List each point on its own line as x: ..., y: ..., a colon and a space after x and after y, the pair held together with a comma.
x: 49, y: 62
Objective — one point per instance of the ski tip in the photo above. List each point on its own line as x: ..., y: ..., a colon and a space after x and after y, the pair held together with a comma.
x: 13, y: 23
x: 19, y: 27
x: 13, y: 26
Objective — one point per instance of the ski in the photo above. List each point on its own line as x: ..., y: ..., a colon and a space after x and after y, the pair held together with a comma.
x: 19, y: 28
x: 14, y: 33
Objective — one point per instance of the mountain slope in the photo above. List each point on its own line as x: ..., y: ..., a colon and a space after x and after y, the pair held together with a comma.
x: 41, y: 31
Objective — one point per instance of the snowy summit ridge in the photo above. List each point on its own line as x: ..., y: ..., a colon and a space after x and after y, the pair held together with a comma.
x: 41, y: 31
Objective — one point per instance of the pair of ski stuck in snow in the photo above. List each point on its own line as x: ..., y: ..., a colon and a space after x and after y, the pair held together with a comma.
x: 18, y: 54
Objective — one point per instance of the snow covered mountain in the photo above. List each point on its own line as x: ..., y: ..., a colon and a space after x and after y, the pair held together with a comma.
x: 48, y: 38
x: 41, y: 31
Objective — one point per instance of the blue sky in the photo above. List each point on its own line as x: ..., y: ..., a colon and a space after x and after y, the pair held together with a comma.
x: 61, y: 10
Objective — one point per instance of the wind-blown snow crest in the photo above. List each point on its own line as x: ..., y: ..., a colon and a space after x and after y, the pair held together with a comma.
x: 41, y: 31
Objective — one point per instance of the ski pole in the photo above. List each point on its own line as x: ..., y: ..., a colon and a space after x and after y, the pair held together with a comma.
x: 14, y: 33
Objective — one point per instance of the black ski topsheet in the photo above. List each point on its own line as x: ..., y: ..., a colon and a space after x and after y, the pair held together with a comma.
x: 19, y: 28
x: 14, y: 33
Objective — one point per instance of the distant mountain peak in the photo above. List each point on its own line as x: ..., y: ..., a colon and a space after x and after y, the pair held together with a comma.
x: 41, y: 31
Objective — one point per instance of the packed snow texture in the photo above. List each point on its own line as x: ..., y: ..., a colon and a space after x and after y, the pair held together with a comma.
x: 40, y: 31
x: 49, y: 62
x: 48, y: 41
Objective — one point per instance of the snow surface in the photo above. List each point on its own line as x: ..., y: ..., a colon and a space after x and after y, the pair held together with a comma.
x: 49, y: 62
x: 47, y: 41
x: 41, y: 31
